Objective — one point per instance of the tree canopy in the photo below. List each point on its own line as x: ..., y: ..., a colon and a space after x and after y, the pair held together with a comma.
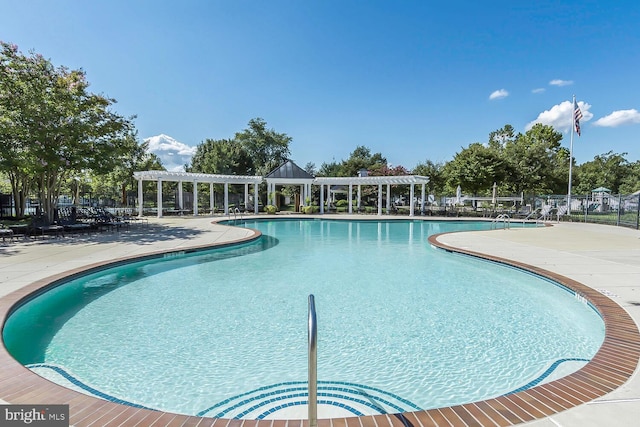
x: 52, y: 127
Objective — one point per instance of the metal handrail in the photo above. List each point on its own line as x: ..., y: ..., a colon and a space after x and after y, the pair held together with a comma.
x: 506, y: 221
x: 313, y: 364
x: 235, y: 212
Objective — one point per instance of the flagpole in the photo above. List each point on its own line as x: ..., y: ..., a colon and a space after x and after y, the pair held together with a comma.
x: 573, y: 126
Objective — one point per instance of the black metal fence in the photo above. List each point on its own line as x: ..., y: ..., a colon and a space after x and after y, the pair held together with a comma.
x: 598, y: 207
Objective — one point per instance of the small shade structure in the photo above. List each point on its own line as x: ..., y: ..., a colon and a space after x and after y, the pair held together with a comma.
x: 380, y: 182
x: 288, y: 173
x: 197, y: 178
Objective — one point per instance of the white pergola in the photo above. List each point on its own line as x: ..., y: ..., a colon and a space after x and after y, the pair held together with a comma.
x: 379, y: 181
x: 197, y: 178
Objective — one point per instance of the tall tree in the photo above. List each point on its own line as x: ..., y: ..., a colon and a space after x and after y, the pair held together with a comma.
x: 631, y: 182
x: 435, y: 173
x: 361, y: 158
x: 332, y: 168
x: 535, y: 161
x: 118, y: 181
x: 475, y: 169
x: 224, y: 157
x: 54, y: 124
x: 605, y: 170
x: 266, y: 147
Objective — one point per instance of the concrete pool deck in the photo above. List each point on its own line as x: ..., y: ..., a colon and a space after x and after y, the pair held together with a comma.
x: 603, y: 258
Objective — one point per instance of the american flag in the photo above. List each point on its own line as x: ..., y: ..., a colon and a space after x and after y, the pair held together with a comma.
x: 577, y: 115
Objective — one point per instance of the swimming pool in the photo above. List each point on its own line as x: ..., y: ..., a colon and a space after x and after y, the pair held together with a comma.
x: 408, y: 341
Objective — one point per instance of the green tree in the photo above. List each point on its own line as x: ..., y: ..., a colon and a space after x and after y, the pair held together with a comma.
x: 224, y: 157
x: 266, y: 148
x: 310, y: 168
x: 631, y: 182
x: 535, y: 162
x: 119, y: 181
x: 435, y: 173
x: 332, y: 168
x: 361, y: 158
x: 605, y: 170
x: 475, y: 169
x: 54, y: 125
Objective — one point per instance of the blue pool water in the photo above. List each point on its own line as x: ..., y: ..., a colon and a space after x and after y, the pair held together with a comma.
x: 401, y: 325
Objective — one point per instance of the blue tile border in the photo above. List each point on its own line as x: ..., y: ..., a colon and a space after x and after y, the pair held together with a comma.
x: 546, y: 373
x: 84, y: 386
x: 333, y: 392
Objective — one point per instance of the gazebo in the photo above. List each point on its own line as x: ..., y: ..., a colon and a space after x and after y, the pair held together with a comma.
x: 289, y: 173
x: 197, y: 178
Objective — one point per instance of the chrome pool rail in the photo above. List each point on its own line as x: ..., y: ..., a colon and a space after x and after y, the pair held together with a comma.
x: 504, y: 218
x: 313, y: 364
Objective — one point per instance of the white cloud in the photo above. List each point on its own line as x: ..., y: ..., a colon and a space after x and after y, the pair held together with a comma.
x: 619, y: 118
x: 558, y: 82
x: 498, y: 94
x: 561, y: 116
x: 538, y: 90
x: 174, y: 154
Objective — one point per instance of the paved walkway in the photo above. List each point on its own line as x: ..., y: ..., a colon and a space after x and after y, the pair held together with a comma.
x: 26, y: 261
x: 602, y: 257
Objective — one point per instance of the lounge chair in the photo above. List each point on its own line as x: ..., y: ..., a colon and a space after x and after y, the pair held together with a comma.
x: 6, y: 233
x: 41, y: 227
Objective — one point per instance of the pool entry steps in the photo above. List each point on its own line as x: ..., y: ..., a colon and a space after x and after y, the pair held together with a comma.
x: 351, y: 398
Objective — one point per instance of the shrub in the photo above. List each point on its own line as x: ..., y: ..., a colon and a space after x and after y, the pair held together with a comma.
x: 270, y: 209
x: 342, y: 203
x: 311, y: 209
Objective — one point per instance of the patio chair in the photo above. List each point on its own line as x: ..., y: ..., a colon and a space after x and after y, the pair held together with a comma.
x: 40, y: 226
x: 6, y: 233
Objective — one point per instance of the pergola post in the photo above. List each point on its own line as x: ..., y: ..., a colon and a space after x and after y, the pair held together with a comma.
x: 350, y: 198
x: 195, y: 198
x: 423, y: 199
x: 359, y: 196
x: 411, y: 196
x: 379, y: 199
x: 226, y: 198
x: 255, y: 198
x: 180, y: 196
x: 140, y: 197
x: 211, y: 197
x: 388, y: 199
x: 159, y: 199
x: 321, y: 199
x: 246, y: 196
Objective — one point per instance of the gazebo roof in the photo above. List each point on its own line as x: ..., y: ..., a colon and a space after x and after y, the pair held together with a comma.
x: 289, y: 170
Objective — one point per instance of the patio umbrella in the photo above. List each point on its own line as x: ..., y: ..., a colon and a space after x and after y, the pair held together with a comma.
x: 495, y: 193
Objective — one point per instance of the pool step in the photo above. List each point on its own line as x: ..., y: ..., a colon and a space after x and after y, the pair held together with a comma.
x: 289, y: 401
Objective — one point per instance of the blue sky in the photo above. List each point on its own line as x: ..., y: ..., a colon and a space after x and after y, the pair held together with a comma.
x: 414, y: 80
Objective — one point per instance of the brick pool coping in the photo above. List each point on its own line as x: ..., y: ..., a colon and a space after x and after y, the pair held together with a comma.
x: 611, y: 366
